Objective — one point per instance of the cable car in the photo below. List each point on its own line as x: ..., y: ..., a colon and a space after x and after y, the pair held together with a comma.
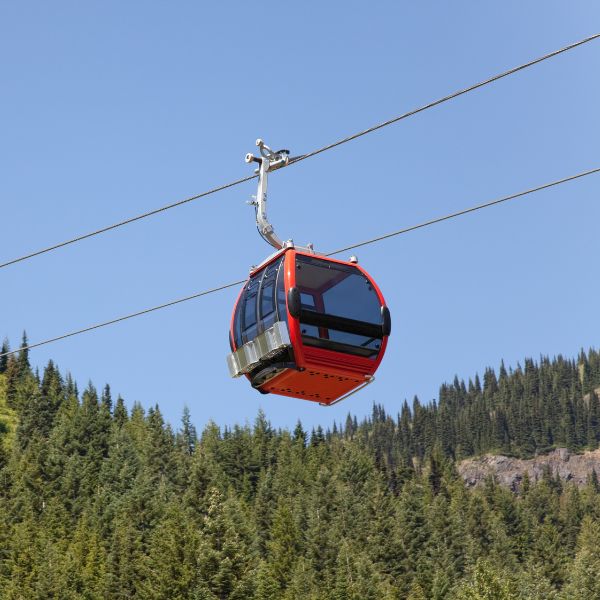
x: 305, y: 325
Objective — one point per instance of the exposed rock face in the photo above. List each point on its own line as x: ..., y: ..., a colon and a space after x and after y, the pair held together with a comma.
x: 509, y: 471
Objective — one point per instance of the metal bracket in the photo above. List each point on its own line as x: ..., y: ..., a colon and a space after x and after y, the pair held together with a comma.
x: 268, y: 161
x: 369, y: 380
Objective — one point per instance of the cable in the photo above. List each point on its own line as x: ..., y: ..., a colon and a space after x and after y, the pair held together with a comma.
x: 126, y: 221
x: 124, y: 318
x: 444, y: 99
x: 298, y: 159
x: 464, y: 212
x: 371, y: 241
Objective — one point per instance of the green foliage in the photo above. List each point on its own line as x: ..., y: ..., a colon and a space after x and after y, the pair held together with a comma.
x: 8, y: 419
x: 486, y: 582
x: 583, y: 582
x: 98, y: 502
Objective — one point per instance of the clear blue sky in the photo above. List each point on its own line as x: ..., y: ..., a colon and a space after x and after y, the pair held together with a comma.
x: 111, y: 108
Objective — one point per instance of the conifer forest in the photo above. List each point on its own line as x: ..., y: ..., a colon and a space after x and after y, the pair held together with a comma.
x: 99, y: 500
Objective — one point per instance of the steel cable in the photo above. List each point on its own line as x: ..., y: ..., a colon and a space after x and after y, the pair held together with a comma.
x: 125, y: 222
x: 300, y: 158
x: 364, y: 243
x: 464, y: 212
x: 444, y: 99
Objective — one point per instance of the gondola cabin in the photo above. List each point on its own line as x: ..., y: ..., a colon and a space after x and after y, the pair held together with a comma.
x: 308, y: 326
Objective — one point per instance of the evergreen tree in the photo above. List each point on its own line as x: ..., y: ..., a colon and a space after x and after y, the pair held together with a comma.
x: 583, y: 582
x: 300, y: 435
x: 225, y: 563
x: 120, y: 413
x: 267, y: 587
x: 486, y: 582
x: 172, y: 557
x: 23, y: 356
x: 284, y: 543
x: 97, y: 503
x: 3, y: 356
x: 188, y: 437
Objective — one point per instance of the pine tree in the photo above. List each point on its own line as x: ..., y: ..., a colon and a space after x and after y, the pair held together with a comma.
x: 124, y: 569
x: 267, y: 587
x: 95, y: 503
x: 593, y: 420
x: 33, y: 411
x: 548, y: 553
x: 284, y: 543
x: 225, y: 563
x: 302, y: 584
x: 120, y: 413
x: 3, y: 356
x: 23, y: 356
x: 188, y: 438
x: 357, y: 579
x: 533, y: 585
x: 412, y: 533
x: 300, y: 435
x: 173, y: 550
x: 583, y: 582
x: 486, y: 582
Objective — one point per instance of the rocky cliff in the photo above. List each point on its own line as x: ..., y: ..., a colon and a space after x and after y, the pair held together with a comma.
x: 509, y: 471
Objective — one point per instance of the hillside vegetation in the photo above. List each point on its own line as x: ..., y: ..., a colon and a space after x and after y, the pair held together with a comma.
x: 97, y: 501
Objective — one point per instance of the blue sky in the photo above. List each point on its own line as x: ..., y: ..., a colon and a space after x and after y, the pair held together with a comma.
x: 110, y: 109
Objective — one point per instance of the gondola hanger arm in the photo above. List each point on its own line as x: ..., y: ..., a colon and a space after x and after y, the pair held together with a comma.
x: 267, y: 161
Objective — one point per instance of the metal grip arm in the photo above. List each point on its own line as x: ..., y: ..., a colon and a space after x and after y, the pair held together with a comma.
x: 268, y: 161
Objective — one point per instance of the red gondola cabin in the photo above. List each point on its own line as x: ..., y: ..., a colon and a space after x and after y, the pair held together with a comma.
x: 308, y: 326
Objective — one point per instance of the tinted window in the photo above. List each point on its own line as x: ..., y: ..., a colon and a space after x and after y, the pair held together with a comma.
x: 354, y: 298
x: 237, y: 320
x: 256, y: 309
x: 307, y: 300
x: 267, y: 297
x: 335, y: 290
x: 249, y: 328
x: 281, y: 303
x: 267, y: 305
x: 370, y: 344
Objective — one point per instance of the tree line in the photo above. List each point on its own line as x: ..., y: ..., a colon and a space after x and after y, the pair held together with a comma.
x: 98, y: 500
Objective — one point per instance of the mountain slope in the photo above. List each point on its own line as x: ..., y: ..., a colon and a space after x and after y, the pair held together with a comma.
x: 510, y: 472
x: 101, y: 501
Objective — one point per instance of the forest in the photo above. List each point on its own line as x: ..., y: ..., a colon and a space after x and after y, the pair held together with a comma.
x: 99, y: 500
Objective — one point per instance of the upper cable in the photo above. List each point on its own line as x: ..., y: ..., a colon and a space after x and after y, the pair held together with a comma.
x: 298, y: 159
